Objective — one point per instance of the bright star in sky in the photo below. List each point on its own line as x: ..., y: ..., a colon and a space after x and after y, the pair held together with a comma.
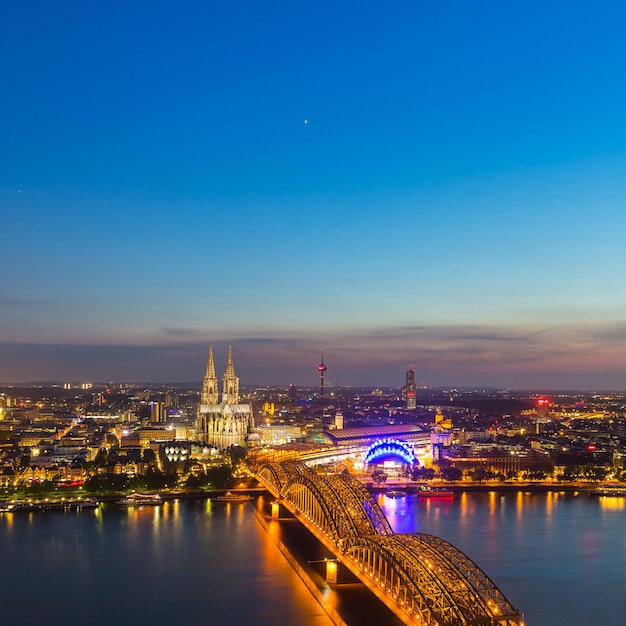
x: 459, y: 205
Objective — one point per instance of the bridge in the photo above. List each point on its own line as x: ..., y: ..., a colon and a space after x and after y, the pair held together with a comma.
x: 423, y: 579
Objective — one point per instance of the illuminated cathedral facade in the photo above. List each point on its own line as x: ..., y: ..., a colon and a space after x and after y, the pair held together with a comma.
x: 222, y: 422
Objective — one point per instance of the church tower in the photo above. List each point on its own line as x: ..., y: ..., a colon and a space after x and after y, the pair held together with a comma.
x: 226, y: 423
x: 210, y: 395
x: 230, y: 382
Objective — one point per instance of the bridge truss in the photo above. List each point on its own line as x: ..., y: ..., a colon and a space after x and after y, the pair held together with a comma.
x: 423, y: 579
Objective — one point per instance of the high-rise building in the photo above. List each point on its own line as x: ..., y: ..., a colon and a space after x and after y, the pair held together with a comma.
x: 408, y: 391
x: 543, y: 409
x: 293, y: 394
x: 226, y: 423
x: 171, y: 400
x: 157, y: 412
x: 543, y: 413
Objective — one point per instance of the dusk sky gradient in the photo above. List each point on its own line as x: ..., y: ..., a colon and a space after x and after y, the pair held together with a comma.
x: 441, y: 184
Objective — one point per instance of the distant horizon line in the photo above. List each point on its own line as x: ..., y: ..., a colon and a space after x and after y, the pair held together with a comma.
x: 198, y: 383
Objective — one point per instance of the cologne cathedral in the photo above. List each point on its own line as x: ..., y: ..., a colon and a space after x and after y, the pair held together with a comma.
x: 226, y: 423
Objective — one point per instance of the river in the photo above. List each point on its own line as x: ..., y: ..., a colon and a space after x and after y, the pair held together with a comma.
x: 559, y: 558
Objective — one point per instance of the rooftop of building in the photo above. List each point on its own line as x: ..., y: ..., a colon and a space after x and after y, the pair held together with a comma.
x: 347, y: 435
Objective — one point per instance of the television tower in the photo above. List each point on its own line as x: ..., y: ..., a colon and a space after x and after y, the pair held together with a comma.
x: 321, y: 368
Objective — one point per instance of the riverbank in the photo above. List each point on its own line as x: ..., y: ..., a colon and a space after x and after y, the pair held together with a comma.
x: 486, y: 486
x: 114, y: 496
x: 409, y: 487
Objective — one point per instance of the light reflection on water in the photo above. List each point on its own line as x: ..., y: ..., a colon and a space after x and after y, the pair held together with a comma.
x: 183, y: 562
x: 559, y: 558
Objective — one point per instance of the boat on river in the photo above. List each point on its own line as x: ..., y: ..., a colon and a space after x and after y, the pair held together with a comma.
x: 427, y: 491
x: 610, y: 489
x: 28, y: 506
x: 229, y: 496
x: 15, y: 506
x: 141, y: 499
x: 395, y: 493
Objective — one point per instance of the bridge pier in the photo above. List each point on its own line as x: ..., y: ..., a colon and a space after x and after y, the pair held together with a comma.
x: 278, y: 510
x: 336, y: 572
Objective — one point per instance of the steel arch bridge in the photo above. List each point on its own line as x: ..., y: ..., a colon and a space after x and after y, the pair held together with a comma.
x: 424, y: 580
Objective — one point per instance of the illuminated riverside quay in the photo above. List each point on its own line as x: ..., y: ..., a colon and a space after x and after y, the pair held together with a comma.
x: 558, y: 557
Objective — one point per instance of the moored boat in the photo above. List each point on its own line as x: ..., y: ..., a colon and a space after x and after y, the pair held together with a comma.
x: 610, y: 489
x: 426, y: 491
x: 229, y: 496
x: 86, y: 503
x: 395, y: 493
x: 28, y: 506
x: 141, y: 499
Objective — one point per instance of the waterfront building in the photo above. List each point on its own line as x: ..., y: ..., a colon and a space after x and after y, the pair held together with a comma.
x: 499, y: 458
x: 227, y: 422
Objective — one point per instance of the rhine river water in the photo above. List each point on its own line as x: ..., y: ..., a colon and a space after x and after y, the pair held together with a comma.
x: 559, y: 558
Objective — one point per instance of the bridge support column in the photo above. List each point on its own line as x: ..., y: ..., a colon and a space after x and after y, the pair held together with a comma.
x: 336, y: 572
x: 277, y: 509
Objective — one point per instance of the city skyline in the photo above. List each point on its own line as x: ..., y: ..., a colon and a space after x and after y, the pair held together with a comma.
x: 436, y: 185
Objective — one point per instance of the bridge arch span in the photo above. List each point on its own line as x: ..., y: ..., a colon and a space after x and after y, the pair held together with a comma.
x: 335, y: 506
x: 455, y: 565
x: 399, y: 574
x: 360, y: 505
x: 273, y: 474
x: 339, y: 504
x: 279, y: 474
x: 443, y: 588
x: 316, y: 503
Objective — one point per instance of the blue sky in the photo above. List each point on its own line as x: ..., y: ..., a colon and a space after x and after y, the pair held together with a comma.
x: 439, y: 184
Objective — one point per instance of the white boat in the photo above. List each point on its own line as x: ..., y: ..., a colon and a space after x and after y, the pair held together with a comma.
x: 229, y: 496
x: 610, y: 489
x: 141, y: 499
x: 395, y: 493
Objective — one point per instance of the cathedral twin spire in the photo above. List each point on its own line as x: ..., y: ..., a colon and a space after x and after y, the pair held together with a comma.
x: 230, y: 382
